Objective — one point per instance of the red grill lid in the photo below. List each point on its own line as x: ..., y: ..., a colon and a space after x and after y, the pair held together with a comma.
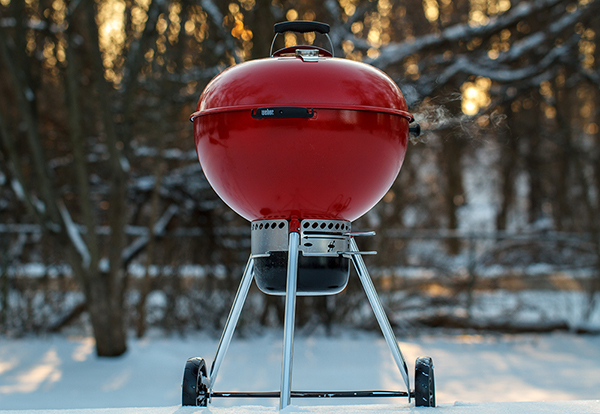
x: 328, y: 83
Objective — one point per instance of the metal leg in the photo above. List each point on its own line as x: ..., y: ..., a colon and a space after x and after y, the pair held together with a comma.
x: 290, y: 316
x: 384, y: 323
x: 232, y: 320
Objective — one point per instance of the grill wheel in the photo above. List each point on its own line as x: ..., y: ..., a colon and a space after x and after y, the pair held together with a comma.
x: 424, y: 383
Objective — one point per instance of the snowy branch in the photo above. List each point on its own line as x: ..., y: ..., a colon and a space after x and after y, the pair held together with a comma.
x: 531, y: 43
x: 74, y: 235
x: 166, y: 154
x: 159, y: 230
x: 482, y: 65
x: 396, y: 52
x: 33, y: 24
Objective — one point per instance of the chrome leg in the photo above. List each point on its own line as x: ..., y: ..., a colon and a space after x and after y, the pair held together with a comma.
x: 382, y: 319
x: 290, y: 316
x: 232, y: 320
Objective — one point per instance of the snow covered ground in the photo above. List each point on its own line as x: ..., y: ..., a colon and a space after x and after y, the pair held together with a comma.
x: 575, y: 407
x: 483, y: 374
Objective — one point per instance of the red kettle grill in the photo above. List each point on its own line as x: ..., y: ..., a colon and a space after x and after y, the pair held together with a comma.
x: 302, y: 144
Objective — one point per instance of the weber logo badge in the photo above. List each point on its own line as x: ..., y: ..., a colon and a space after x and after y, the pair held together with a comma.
x: 279, y: 112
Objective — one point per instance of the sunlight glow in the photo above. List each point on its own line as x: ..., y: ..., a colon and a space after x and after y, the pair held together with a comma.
x: 291, y: 15
x: 111, y: 32
x: 45, y: 372
x: 139, y: 16
x: 546, y: 89
x: 84, y: 350
x: 175, y: 23
x: 549, y: 111
x: 309, y: 38
x: 411, y: 68
x: 239, y: 30
x: 384, y: 7
x: 348, y: 46
x: 373, y: 53
x: 587, y: 47
x: 478, y: 13
x: 248, y: 4
x: 374, y: 37
x: 475, y: 95
x: 197, y: 24
x: 349, y: 6
x: 504, y: 5
x: 431, y: 9
x: 7, y: 365
x: 290, y: 39
x: 469, y: 107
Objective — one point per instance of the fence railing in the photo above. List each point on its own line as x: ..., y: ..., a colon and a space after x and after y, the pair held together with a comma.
x: 518, y: 273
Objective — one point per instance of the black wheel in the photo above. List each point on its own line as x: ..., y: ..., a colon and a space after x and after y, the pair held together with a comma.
x: 424, y: 383
x: 194, y: 384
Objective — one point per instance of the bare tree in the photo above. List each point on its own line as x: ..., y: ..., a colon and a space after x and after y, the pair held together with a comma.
x: 75, y: 117
x: 68, y: 87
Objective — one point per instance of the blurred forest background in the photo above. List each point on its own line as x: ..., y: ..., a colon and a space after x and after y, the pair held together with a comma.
x: 107, y: 222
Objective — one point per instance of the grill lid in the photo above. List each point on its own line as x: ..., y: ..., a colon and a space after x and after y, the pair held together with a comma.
x: 302, y: 80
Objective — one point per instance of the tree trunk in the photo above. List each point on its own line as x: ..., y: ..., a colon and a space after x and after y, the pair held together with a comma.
x: 454, y: 192
x: 146, y: 282
x: 533, y: 164
x: 107, y: 290
x: 562, y: 211
x: 508, y: 174
x: 106, y: 314
x: 263, y: 29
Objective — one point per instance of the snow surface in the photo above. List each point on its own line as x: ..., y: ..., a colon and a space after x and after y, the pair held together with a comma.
x: 483, y: 374
x: 579, y: 407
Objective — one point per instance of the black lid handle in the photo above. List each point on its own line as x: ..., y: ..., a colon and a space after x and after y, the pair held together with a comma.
x: 301, y: 26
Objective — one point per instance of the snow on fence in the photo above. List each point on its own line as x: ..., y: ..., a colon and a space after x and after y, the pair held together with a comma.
x: 500, y: 281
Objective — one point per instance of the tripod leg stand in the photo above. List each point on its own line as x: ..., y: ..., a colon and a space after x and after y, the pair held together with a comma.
x: 289, y: 321
x: 382, y: 319
x: 198, y: 386
x: 232, y: 320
